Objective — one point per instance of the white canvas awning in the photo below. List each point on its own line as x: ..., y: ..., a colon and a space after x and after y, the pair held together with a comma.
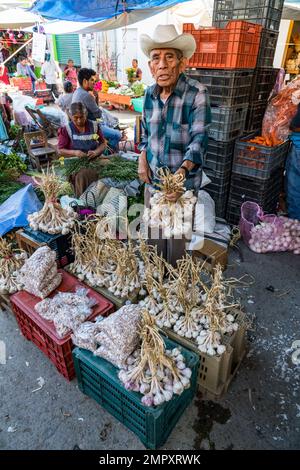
x: 16, y: 18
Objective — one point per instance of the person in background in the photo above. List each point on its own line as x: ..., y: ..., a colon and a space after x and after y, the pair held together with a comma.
x: 138, y: 71
x: 175, y: 122
x: 24, y: 69
x: 50, y: 72
x: 4, y: 78
x: 70, y: 73
x: 4, y: 53
x: 293, y: 169
x: 81, y: 138
x: 65, y: 100
x: 87, y: 79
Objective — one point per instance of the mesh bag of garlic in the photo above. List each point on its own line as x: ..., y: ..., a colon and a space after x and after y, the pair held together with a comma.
x: 39, y: 274
x: 174, y: 218
x: 67, y: 310
x: 119, y: 334
x: 155, y: 372
x: 11, y: 261
x: 52, y: 218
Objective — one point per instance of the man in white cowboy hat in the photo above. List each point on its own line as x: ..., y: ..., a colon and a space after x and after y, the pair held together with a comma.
x: 176, y: 117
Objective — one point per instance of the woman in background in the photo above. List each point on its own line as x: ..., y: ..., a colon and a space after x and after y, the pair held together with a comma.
x: 81, y: 138
x: 71, y: 73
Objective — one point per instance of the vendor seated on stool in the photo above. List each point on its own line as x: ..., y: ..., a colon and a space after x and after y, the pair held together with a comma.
x: 81, y: 138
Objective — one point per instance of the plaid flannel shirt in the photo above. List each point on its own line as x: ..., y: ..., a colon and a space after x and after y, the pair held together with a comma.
x: 176, y: 130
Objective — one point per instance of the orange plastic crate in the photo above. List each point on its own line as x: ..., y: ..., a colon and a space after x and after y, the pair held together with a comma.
x: 235, y: 46
x: 23, y: 83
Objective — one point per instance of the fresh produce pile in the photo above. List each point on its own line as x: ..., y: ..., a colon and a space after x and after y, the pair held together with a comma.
x: 11, y: 161
x: 138, y: 89
x: 280, y: 112
x: 52, y: 218
x: 117, y: 168
x: 180, y: 299
x: 155, y: 372
x: 11, y: 261
x: 104, y: 261
x: 8, y: 188
x: 175, y: 218
x: 277, y: 234
x: 265, y: 141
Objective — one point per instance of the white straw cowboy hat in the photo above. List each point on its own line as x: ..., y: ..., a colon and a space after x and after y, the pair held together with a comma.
x: 166, y: 37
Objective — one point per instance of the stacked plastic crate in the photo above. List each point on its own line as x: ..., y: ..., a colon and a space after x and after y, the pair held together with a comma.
x: 254, y: 176
x: 224, y: 62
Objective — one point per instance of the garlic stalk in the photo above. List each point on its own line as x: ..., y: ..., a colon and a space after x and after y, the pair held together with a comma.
x: 52, y: 218
x: 11, y: 261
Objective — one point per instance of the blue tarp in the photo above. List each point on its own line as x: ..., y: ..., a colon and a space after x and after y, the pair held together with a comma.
x: 94, y: 10
x: 14, y: 211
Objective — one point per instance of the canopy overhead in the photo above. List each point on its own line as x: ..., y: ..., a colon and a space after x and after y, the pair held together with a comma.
x: 16, y: 18
x: 291, y: 11
x: 95, y: 10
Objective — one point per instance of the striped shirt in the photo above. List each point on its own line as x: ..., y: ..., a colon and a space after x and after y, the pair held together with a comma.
x: 176, y: 130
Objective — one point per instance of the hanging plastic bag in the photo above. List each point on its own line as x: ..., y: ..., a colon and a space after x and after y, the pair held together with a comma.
x: 280, y: 111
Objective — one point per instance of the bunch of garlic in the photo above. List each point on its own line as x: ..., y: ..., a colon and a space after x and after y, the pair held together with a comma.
x: 11, y: 262
x: 159, y: 386
x: 174, y: 218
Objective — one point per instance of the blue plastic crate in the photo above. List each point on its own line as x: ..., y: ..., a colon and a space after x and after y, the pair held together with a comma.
x: 98, y: 379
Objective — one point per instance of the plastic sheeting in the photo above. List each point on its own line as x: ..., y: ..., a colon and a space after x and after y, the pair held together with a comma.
x: 94, y: 10
x: 14, y: 211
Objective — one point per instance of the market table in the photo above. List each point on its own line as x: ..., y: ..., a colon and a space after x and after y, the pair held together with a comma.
x: 114, y: 98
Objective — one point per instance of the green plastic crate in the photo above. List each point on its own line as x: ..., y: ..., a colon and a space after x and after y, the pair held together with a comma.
x: 137, y: 104
x: 98, y: 379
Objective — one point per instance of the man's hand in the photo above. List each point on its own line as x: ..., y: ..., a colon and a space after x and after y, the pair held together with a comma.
x: 144, y: 170
x: 79, y: 154
x: 181, y: 171
x: 173, y: 197
x: 92, y: 154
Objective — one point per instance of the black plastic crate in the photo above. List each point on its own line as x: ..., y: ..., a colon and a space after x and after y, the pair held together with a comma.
x: 262, y: 83
x: 227, y: 122
x: 219, y: 190
x: 225, y: 87
x: 264, y: 12
x: 255, y: 116
x: 61, y: 244
x: 267, y: 48
x: 219, y: 156
x: 244, y: 188
x: 258, y: 161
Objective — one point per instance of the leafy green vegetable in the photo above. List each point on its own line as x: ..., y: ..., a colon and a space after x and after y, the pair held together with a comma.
x: 120, y: 169
x: 11, y: 161
x: 138, y: 89
x: 117, y: 168
x: 7, y: 189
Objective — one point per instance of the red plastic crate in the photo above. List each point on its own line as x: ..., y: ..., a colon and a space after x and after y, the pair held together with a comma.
x: 23, y: 83
x: 235, y: 46
x: 43, y: 333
